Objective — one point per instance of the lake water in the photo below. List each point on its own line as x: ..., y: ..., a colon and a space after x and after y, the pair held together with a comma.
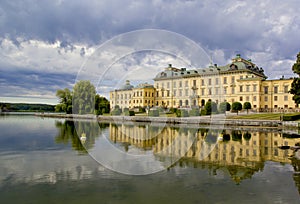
x: 47, y: 160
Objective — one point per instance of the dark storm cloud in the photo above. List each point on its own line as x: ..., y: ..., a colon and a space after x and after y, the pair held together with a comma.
x: 230, y: 25
x: 25, y: 83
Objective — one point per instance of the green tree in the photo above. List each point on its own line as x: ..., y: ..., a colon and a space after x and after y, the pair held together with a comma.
x: 84, y: 93
x: 65, y: 101
x: 247, y: 106
x: 295, y: 88
x: 236, y: 106
x: 210, y: 107
x: 224, y: 106
x: 101, y: 105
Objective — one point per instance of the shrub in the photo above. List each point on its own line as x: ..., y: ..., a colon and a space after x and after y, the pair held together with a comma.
x: 182, y: 113
x: 172, y: 110
x: 210, y: 107
x: 194, y: 112
x: 116, y: 111
x: 291, y: 117
x: 247, y: 106
x: 224, y: 106
x: 154, y: 113
x: 129, y: 113
x: 236, y: 107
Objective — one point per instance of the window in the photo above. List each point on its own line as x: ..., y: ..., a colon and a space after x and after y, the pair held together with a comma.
x: 248, y: 88
x: 202, y: 82
x: 186, y: 102
x: 209, y: 81
x: 266, y: 89
x: 174, y: 84
x: 186, y: 83
x: 276, y: 89
x: 180, y: 92
x: 209, y: 91
x: 241, y: 88
x: 286, y: 98
x: 168, y: 84
x: 194, y: 83
x: 217, y: 90
x: 202, y: 92
x: 174, y: 92
x: 225, y: 80
x: 275, y: 98
x: 186, y: 92
x: 286, y: 88
x: 225, y: 90
x: 241, y: 77
x: 254, y: 87
x: 241, y: 98
x: 180, y: 84
x: 217, y: 81
x: 162, y: 85
x: 232, y: 90
x: 232, y: 79
x: 266, y: 98
x: 247, y: 98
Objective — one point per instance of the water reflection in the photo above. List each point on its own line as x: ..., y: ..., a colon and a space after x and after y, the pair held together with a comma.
x: 70, y: 131
x: 242, y: 153
x: 46, y: 172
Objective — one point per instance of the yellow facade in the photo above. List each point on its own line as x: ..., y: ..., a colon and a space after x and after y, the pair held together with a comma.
x: 241, y: 81
x: 129, y: 96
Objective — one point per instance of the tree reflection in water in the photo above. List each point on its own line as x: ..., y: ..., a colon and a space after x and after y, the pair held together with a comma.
x: 70, y: 131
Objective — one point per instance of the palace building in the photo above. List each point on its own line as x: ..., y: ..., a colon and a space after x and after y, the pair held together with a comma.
x: 240, y: 81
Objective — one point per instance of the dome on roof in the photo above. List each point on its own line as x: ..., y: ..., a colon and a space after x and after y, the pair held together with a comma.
x: 126, y: 86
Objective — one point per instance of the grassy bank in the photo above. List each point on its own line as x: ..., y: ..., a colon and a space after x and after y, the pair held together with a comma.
x: 259, y: 116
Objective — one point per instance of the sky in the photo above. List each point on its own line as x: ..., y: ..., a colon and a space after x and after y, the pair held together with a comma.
x: 45, y: 45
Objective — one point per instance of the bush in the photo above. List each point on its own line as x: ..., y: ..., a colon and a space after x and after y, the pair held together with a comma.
x: 291, y: 117
x: 129, y: 113
x: 210, y: 107
x: 224, y: 106
x: 236, y: 107
x: 116, y: 111
x: 202, y: 112
x: 154, y: 113
x: 172, y: 110
x: 247, y: 106
x: 194, y: 112
x: 142, y: 110
x: 182, y: 113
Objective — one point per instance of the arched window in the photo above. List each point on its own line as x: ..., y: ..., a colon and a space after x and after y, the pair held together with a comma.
x: 186, y: 102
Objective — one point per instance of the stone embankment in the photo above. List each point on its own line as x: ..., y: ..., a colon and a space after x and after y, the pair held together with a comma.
x: 203, y: 120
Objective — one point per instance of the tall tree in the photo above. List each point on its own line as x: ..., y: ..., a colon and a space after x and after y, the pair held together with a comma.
x: 65, y: 101
x: 84, y: 93
x: 295, y: 89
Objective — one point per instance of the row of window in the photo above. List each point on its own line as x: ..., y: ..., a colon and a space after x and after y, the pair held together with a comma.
x: 276, y: 89
x: 135, y: 94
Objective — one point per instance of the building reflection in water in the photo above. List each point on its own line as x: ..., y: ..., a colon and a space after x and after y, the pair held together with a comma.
x: 242, y: 153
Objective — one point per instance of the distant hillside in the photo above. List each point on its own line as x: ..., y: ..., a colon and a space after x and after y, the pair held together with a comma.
x: 26, y: 107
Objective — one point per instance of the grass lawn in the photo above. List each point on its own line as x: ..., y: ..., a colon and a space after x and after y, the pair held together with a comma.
x: 259, y: 116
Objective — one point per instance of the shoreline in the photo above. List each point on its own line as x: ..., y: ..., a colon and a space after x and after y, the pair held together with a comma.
x: 198, y: 120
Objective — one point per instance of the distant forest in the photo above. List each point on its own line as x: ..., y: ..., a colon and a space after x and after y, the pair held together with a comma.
x: 25, y: 107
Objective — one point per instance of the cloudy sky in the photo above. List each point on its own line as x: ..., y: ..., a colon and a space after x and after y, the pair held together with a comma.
x: 45, y: 44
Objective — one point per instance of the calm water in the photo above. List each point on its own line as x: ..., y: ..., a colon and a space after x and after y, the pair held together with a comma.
x: 44, y: 161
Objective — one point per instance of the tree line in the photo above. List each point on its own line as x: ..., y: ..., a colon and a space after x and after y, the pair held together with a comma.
x: 25, y: 107
x: 81, y: 100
